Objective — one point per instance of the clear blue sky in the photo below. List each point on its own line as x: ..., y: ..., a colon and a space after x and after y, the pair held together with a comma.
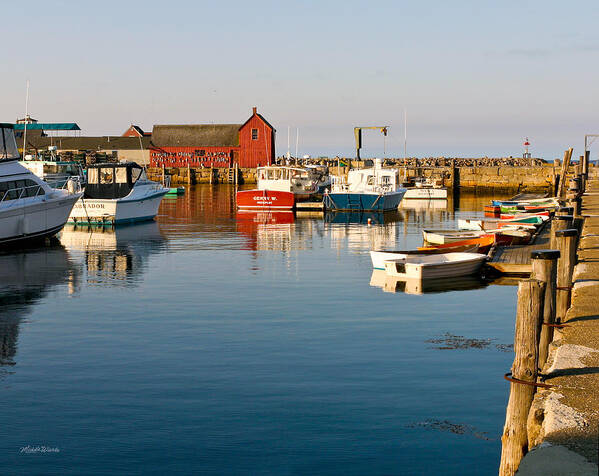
x: 475, y: 77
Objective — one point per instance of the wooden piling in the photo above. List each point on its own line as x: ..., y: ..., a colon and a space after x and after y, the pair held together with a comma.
x: 188, y: 174
x: 559, y: 222
x: 163, y: 176
x: 566, y: 243
x: 567, y: 210
x: 564, y: 173
x: 514, y: 442
x: 544, y: 269
x: 575, y: 204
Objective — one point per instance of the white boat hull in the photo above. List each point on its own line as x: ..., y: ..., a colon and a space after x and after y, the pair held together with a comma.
x: 435, y: 266
x: 378, y: 258
x: 426, y: 193
x: 119, y: 211
x: 35, y: 217
x: 449, y: 236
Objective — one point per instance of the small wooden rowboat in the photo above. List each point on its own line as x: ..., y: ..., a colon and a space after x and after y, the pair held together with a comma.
x: 176, y: 191
x: 492, y: 210
x: 441, y: 237
x: 526, y: 208
x: 443, y: 265
x: 510, y: 216
x: 505, y: 236
x: 539, y: 202
x: 484, y: 243
x: 476, y: 224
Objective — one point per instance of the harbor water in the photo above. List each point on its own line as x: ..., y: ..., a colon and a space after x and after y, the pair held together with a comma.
x: 215, y: 342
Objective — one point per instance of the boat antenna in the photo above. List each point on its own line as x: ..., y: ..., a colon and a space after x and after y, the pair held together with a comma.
x: 25, y: 125
x: 296, y: 143
x: 405, y: 134
x: 288, y: 132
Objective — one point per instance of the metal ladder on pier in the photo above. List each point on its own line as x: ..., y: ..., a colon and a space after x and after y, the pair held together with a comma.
x: 233, y: 174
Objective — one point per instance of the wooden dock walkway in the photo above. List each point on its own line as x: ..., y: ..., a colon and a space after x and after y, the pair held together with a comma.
x: 313, y: 206
x: 516, y: 259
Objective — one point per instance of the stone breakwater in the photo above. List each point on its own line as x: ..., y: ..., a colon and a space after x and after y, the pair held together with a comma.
x: 485, y: 175
x: 435, y: 162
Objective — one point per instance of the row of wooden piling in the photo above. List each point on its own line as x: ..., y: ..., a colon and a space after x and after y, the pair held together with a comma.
x: 543, y: 301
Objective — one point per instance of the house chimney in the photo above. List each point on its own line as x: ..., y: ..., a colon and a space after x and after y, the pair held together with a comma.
x: 254, y: 110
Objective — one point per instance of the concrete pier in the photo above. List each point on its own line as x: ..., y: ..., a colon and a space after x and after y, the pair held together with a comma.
x: 563, y: 423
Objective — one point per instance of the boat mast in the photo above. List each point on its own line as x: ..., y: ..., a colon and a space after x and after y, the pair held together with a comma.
x: 405, y: 134
x: 288, y: 153
x: 296, y: 144
x: 25, y: 125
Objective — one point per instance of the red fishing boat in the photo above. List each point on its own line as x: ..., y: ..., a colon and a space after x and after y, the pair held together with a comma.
x: 279, y: 188
x: 259, y: 199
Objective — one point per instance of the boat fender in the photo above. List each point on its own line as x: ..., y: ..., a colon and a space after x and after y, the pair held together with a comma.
x: 71, y: 186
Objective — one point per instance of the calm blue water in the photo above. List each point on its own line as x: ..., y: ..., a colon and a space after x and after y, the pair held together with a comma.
x: 211, y: 343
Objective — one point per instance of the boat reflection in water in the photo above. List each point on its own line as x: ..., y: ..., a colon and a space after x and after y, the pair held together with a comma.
x: 115, y: 256
x: 364, y: 218
x: 351, y: 230
x: 424, y: 204
x: 276, y: 230
x: 26, y: 278
x: 392, y: 284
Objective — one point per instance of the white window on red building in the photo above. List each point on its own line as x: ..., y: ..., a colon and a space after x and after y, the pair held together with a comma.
x: 254, y: 134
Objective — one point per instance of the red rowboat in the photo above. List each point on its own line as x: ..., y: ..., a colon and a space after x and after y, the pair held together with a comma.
x: 492, y: 210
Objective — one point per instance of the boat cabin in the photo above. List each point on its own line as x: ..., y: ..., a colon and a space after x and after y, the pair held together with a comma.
x: 8, y: 143
x: 112, y: 180
x: 284, y: 179
x: 373, y: 180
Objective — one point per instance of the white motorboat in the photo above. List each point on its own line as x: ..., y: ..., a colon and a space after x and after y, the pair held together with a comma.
x: 29, y: 208
x: 426, y: 189
x: 371, y: 189
x: 443, y: 265
x: 117, y: 193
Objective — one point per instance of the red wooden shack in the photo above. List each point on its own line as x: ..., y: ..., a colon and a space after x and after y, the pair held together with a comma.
x: 251, y: 144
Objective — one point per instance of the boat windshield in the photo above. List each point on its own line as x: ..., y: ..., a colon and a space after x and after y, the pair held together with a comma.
x: 8, y: 144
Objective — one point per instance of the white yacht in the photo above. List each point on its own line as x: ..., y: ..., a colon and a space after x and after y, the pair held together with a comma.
x: 29, y: 208
x: 117, y: 193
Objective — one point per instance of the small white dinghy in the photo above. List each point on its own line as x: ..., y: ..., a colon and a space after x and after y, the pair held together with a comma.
x: 443, y: 265
x: 441, y: 237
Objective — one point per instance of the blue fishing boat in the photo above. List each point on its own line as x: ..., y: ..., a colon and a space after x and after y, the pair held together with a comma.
x: 372, y: 189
